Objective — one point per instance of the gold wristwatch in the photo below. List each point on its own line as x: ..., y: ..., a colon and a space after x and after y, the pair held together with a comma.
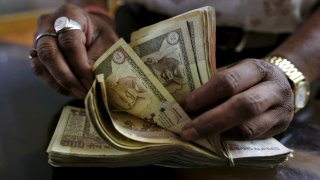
x: 300, y: 87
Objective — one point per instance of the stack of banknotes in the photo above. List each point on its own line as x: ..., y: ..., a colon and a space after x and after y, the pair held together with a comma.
x: 132, y: 116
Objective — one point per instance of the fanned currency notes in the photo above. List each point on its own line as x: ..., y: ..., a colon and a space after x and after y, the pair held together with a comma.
x: 129, y: 87
x: 132, y: 116
x: 132, y: 88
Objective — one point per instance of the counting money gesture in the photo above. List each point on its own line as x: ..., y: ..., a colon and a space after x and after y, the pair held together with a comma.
x: 66, y: 44
x: 251, y: 99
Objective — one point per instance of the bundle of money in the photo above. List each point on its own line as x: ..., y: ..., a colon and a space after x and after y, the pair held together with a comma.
x: 132, y: 116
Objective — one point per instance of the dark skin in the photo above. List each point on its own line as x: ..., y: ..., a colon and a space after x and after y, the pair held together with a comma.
x: 250, y: 99
x: 65, y: 63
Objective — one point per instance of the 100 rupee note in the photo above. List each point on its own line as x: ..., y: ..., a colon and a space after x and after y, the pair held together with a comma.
x: 75, y: 135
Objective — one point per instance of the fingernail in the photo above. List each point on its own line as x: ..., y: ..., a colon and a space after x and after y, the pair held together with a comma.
x: 86, y: 84
x: 190, y: 134
x: 77, y: 93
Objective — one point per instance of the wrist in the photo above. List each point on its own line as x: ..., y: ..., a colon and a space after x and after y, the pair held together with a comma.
x: 300, y: 86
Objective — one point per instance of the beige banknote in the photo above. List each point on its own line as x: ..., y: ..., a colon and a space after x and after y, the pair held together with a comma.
x: 133, y: 127
x: 76, y: 135
x: 168, y: 53
x: 101, y: 121
x: 133, y: 89
x: 202, y: 34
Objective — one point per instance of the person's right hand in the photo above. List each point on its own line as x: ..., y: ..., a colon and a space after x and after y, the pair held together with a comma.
x: 64, y: 62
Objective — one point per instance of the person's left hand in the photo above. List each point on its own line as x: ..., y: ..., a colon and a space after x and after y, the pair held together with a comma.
x: 251, y: 99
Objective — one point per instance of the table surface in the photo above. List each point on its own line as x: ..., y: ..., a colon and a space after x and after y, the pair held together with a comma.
x: 29, y: 112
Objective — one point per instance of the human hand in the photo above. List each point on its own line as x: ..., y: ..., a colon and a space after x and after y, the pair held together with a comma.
x: 251, y: 99
x: 64, y: 62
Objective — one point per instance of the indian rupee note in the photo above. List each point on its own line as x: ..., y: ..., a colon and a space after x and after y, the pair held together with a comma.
x: 132, y: 88
x: 168, y: 53
x: 76, y: 135
x: 202, y: 34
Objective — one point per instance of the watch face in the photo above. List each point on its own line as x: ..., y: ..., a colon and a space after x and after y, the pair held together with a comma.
x: 302, y: 95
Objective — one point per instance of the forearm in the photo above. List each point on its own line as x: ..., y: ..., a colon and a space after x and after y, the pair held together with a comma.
x: 303, y: 48
x: 83, y: 3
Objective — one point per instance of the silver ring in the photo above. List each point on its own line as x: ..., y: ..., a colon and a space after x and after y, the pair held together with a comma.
x: 41, y: 35
x: 65, y: 24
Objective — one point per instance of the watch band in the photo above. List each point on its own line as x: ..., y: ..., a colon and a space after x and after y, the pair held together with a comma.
x: 299, y: 84
x: 287, y: 67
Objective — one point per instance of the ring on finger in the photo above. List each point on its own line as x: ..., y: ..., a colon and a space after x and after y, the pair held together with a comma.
x: 63, y: 23
x: 41, y: 35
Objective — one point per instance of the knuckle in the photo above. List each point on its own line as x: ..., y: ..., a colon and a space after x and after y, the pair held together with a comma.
x: 280, y: 78
x: 285, y: 87
x: 261, y: 66
x: 43, y: 19
x: 67, y: 43
x: 47, y: 52
x: 248, y: 132
x: 70, y: 10
x: 86, y: 68
x: 230, y: 82
x: 287, y: 109
x: 249, y: 105
x: 190, y: 103
x: 66, y: 7
x: 287, y: 93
